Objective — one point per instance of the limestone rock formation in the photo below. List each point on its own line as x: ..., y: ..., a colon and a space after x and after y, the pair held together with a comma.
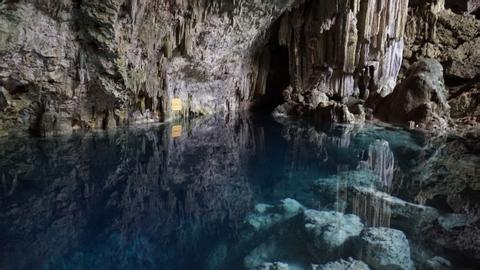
x: 466, y: 6
x: 272, y: 266
x: 342, y: 48
x: 421, y: 98
x: 381, y: 209
x: 266, y: 216
x: 348, y: 264
x: 99, y: 64
x: 441, y: 30
x: 328, y: 233
x: 384, y: 249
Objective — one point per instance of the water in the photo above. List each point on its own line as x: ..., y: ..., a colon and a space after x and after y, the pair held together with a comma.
x: 177, y: 196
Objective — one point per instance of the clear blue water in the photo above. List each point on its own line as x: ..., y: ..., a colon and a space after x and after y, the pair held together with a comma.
x: 154, y: 197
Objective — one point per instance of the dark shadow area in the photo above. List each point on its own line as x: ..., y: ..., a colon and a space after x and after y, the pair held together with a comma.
x: 455, y: 81
x: 278, y: 78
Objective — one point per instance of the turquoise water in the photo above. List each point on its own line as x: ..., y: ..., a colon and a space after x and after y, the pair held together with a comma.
x: 178, y: 196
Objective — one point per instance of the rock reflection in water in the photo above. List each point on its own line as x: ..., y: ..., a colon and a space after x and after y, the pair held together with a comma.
x: 157, y: 198
x: 117, y: 200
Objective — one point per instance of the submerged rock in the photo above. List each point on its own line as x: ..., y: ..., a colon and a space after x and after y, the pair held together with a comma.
x: 436, y: 263
x: 348, y: 264
x: 381, y: 209
x: 452, y: 221
x: 384, y: 249
x: 327, y: 233
x: 266, y: 215
x: 272, y: 266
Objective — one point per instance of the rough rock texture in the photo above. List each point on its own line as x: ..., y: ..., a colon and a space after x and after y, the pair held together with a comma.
x: 384, y: 249
x: 266, y: 216
x: 338, y: 49
x: 328, y: 233
x: 381, y: 209
x: 435, y: 32
x: 99, y: 64
x: 466, y: 6
x: 452, y: 38
x: 420, y: 99
x: 353, y: 35
x: 272, y: 266
x: 349, y: 264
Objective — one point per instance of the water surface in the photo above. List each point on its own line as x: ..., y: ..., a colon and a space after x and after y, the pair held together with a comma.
x: 176, y: 196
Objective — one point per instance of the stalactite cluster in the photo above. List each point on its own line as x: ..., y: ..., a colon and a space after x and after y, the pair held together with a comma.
x: 343, y: 47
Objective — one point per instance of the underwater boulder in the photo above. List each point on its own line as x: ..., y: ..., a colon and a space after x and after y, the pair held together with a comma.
x: 348, y: 264
x: 272, y: 266
x: 274, y: 248
x: 384, y: 249
x: 265, y: 215
x: 326, y: 234
x: 436, y: 263
x: 378, y: 208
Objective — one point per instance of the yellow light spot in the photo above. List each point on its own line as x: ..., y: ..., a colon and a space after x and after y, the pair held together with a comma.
x: 176, y: 131
x: 176, y: 104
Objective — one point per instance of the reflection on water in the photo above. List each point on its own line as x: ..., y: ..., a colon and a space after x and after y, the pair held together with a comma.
x: 160, y: 198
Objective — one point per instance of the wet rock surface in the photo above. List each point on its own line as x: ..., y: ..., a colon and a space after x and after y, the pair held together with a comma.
x: 328, y: 233
x: 384, y: 248
x: 348, y: 264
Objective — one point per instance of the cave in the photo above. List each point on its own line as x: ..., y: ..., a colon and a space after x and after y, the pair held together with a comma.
x: 239, y: 135
x: 278, y: 77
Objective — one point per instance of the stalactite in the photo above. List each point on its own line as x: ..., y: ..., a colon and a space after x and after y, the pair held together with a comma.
x: 330, y: 42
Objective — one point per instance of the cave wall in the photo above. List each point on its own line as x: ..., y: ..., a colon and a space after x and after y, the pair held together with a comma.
x: 73, y: 64
x: 444, y: 30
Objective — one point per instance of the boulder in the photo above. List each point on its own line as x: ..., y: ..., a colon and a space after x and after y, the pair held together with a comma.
x: 265, y: 215
x: 384, y: 249
x: 452, y: 221
x: 327, y: 234
x: 272, y: 266
x: 436, y: 263
x: 420, y: 98
x: 348, y: 264
x: 381, y: 209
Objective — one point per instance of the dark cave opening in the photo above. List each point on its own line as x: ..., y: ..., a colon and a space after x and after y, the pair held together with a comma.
x: 454, y: 81
x: 278, y: 77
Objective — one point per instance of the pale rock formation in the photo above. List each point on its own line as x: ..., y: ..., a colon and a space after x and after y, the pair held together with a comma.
x: 328, y: 233
x: 383, y: 210
x: 384, y: 249
x: 343, y: 48
x: 348, y: 264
